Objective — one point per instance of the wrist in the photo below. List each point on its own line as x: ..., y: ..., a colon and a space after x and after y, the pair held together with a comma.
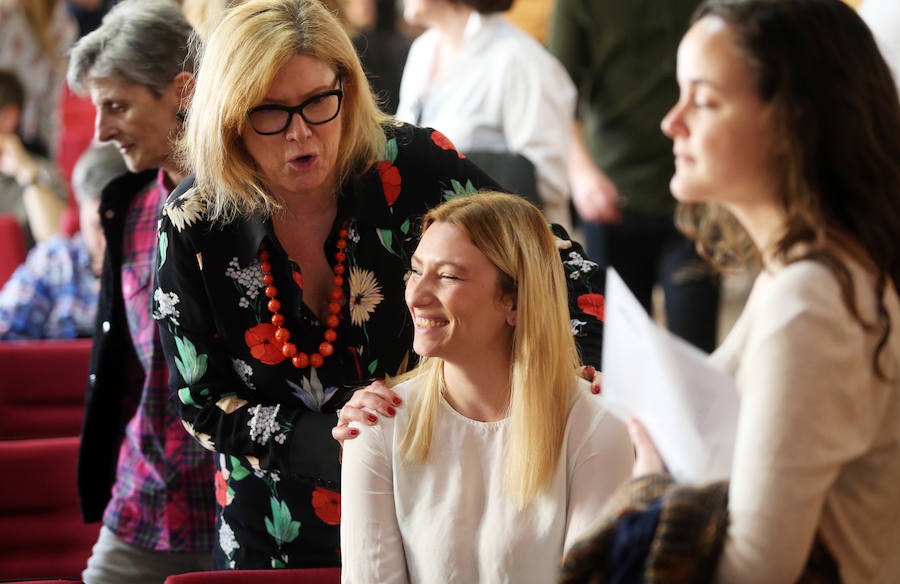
x: 34, y: 176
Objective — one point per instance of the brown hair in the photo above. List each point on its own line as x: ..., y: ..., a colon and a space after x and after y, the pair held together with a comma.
x: 832, y: 96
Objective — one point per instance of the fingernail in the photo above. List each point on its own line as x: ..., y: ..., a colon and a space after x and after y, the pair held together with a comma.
x: 391, y: 411
x: 397, y: 401
x: 372, y: 418
x: 354, y: 431
x: 595, y: 390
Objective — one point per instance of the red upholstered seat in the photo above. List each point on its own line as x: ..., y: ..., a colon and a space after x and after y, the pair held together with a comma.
x: 42, y: 385
x: 41, y: 532
x: 12, y: 246
x: 307, y: 576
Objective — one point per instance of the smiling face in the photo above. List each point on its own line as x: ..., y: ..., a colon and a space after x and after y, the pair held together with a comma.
x: 454, y: 297
x: 141, y: 124
x: 301, y: 160
x: 724, y: 143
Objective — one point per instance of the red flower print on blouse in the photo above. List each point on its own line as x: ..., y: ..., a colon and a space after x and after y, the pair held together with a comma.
x: 327, y: 505
x: 298, y: 278
x: 592, y: 304
x: 221, y: 489
x: 444, y: 142
x: 390, y: 180
x: 263, y: 344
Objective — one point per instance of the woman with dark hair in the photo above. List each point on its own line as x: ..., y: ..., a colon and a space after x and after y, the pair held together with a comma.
x: 787, y: 144
x: 489, y: 87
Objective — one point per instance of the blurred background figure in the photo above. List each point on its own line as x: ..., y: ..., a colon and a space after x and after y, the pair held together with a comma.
x: 883, y: 18
x: 381, y: 47
x: 489, y: 86
x: 621, y: 56
x: 35, y: 36
x: 53, y: 295
x: 30, y: 186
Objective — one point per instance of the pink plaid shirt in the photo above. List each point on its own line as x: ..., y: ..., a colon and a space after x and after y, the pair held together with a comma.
x: 164, y: 497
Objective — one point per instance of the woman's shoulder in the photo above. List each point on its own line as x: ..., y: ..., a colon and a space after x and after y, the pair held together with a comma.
x: 811, y: 286
x: 585, y: 407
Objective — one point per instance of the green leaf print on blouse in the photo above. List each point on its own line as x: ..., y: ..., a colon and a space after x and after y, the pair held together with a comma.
x: 190, y: 365
x: 163, y: 248
x: 281, y: 526
x: 459, y: 189
x: 386, y: 237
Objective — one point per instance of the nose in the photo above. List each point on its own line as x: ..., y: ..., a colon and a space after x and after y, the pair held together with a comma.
x: 673, y: 122
x: 418, y: 292
x: 103, y: 129
x: 297, y: 129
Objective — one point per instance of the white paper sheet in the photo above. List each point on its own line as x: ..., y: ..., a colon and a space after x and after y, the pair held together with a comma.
x: 689, y: 407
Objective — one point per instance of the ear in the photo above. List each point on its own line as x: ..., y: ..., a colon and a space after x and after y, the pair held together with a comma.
x: 183, y: 84
x: 509, y: 305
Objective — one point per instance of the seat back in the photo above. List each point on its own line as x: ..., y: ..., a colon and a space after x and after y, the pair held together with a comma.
x: 296, y: 576
x: 41, y: 532
x: 513, y: 172
x: 42, y: 385
x: 12, y: 244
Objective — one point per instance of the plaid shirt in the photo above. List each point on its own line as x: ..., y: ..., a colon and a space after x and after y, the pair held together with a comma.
x: 163, y: 498
x: 53, y: 295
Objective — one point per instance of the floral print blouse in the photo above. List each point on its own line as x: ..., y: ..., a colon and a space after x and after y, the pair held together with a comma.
x: 278, y: 471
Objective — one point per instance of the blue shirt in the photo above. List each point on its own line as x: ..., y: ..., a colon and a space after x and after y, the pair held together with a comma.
x: 53, y: 295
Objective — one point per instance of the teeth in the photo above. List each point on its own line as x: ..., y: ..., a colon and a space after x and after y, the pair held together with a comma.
x: 426, y: 323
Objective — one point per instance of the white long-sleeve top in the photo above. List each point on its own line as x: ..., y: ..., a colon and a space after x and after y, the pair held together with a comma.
x: 448, y: 519
x: 818, y: 439
x: 503, y: 93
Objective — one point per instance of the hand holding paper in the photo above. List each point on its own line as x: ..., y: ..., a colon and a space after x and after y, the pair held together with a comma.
x: 689, y: 408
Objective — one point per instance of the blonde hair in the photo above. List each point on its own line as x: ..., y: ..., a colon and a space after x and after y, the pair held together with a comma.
x: 244, y: 53
x: 516, y: 238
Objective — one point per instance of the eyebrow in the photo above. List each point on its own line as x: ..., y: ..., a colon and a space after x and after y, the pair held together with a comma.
x: 441, y: 263
x: 701, y: 81
x: 314, y: 92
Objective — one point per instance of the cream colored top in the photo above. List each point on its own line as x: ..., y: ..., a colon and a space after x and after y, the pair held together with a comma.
x: 818, y: 439
x: 448, y: 520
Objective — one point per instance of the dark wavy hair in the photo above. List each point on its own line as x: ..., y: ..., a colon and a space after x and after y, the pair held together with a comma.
x: 832, y: 96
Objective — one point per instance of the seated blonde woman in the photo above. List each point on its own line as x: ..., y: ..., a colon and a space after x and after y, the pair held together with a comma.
x: 501, y: 457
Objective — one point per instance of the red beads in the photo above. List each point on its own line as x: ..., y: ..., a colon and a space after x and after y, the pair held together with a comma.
x: 298, y: 358
x: 282, y: 334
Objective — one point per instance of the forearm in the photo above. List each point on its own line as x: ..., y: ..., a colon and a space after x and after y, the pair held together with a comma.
x: 44, y: 210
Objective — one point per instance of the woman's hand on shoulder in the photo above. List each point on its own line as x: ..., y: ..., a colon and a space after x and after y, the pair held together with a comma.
x: 595, y: 377
x: 377, y: 397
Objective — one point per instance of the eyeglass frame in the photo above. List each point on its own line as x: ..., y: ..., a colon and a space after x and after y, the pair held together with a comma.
x: 298, y: 109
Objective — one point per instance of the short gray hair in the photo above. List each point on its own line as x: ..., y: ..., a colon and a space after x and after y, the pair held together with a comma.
x: 95, y: 169
x: 140, y: 41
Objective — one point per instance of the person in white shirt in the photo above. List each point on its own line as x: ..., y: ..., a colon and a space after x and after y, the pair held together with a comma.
x: 883, y: 18
x: 787, y: 143
x: 501, y: 457
x: 488, y: 86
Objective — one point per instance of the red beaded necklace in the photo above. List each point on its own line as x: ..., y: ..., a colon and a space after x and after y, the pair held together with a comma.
x: 282, y: 334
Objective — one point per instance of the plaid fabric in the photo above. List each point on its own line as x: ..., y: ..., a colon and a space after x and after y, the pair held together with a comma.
x: 53, y: 295
x: 163, y: 498
x: 688, y: 540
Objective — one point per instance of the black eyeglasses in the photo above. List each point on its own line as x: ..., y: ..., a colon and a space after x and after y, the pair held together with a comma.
x: 318, y: 109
